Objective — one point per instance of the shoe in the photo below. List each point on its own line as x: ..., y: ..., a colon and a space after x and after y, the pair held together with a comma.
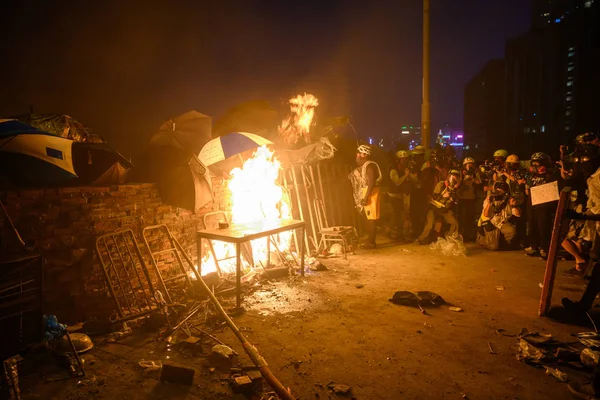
x: 573, y: 272
x: 543, y: 255
x: 582, y: 391
x: 572, y: 306
x: 531, y: 252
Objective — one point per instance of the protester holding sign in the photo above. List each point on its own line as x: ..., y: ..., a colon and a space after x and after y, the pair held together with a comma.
x: 542, y: 186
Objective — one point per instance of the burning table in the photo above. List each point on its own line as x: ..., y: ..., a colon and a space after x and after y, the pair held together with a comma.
x: 237, y: 234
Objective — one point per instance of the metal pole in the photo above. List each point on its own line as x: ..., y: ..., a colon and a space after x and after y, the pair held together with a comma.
x: 238, y: 276
x: 425, y: 107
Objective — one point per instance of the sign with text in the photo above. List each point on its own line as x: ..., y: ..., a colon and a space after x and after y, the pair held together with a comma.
x: 544, y: 193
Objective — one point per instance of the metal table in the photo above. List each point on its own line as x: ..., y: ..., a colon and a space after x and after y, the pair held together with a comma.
x: 241, y: 233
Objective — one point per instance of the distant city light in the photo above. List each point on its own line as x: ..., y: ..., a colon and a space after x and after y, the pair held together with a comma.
x: 459, y: 136
x: 370, y: 140
x: 405, y: 132
x: 557, y: 20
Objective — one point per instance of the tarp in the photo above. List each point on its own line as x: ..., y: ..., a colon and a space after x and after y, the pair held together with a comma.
x: 61, y: 125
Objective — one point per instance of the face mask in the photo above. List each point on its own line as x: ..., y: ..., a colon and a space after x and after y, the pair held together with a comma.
x: 452, y: 179
x: 538, y: 169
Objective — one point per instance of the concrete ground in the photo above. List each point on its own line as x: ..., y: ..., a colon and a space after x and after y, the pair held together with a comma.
x: 339, y: 326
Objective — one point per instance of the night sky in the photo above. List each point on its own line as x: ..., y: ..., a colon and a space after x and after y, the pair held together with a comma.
x: 123, y: 67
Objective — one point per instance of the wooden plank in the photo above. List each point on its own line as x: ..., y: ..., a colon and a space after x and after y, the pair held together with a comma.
x: 550, y: 274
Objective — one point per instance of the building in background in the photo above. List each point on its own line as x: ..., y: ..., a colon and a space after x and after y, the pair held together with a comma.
x: 408, y: 137
x: 484, y: 112
x: 544, y: 92
x: 552, y: 76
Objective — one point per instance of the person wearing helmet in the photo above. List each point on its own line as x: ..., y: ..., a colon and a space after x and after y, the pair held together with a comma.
x: 365, y: 180
x: 587, y: 138
x: 497, y: 224
x: 418, y: 195
x: 499, y: 165
x: 402, y: 180
x: 576, y: 174
x: 540, y: 216
x: 467, y: 199
x: 442, y: 207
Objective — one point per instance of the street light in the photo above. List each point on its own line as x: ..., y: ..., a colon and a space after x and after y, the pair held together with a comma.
x: 425, y: 108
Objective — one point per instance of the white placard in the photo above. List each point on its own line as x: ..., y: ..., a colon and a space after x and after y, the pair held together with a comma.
x: 544, y: 193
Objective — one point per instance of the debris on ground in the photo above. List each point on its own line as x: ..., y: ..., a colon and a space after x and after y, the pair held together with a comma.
x: 540, y: 349
x: 173, y: 373
x: 221, y: 356
x: 360, y: 286
x: 590, y: 358
x: 558, y: 374
x: 450, y: 246
x: 420, y: 299
x: 150, y: 365
x: 499, y: 288
x: 340, y: 389
x: 491, y: 350
x: 455, y: 309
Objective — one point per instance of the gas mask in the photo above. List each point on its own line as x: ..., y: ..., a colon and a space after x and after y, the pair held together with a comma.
x: 538, y: 169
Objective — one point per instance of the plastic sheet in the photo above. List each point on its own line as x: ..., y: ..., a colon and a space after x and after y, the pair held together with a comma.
x: 450, y: 246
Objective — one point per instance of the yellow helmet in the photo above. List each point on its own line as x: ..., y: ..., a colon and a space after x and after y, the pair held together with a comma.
x: 402, y: 154
x: 501, y: 153
x: 512, y: 159
x: 419, y: 150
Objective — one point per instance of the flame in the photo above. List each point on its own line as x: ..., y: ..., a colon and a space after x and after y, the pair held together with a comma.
x: 255, y: 196
x: 298, y: 124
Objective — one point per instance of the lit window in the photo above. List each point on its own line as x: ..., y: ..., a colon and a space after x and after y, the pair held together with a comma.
x: 534, y: 131
x: 571, y: 54
x: 569, y: 98
x: 567, y: 113
x: 570, y: 83
x: 571, y: 68
x: 543, y: 128
x: 588, y: 3
x: 571, y: 48
x: 567, y: 128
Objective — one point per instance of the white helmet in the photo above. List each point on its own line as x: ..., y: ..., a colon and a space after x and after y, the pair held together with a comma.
x: 468, y: 160
x: 402, y: 154
x: 364, y: 149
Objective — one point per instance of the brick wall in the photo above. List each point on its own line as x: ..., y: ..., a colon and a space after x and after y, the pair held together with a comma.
x: 64, y: 223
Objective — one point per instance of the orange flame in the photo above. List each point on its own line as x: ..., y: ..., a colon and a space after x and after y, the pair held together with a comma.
x: 255, y: 196
x: 298, y: 124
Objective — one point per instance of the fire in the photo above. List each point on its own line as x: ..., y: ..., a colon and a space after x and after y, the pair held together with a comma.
x: 298, y: 124
x: 255, y: 196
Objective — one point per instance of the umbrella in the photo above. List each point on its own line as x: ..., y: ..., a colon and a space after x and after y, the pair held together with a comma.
x: 188, y: 131
x: 171, y: 160
x: 33, y: 157
x: 253, y: 116
x: 232, y: 144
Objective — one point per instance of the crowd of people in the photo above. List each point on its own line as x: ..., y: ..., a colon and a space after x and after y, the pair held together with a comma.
x: 434, y: 194
x: 496, y: 204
